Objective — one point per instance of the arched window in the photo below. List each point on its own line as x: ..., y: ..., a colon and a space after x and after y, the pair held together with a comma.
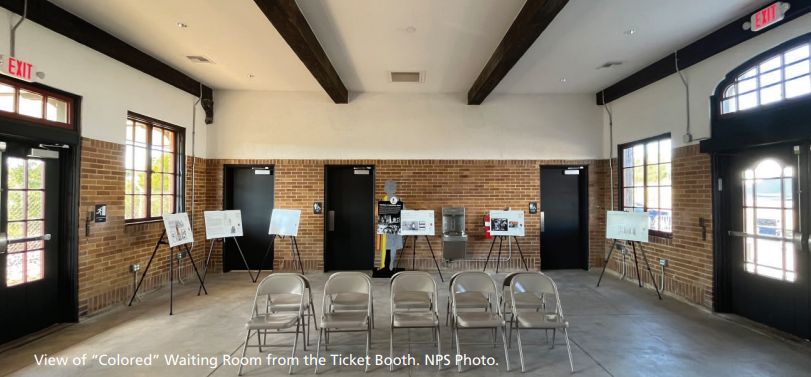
x: 777, y: 78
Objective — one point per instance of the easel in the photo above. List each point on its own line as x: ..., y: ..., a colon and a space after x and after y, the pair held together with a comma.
x: 208, y: 259
x: 498, y: 261
x: 414, y: 256
x: 171, y: 270
x: 293, y: 252
x: 636, y: 261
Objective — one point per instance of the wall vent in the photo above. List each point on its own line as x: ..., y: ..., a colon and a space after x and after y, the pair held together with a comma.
x: 609, y: 65
x: 200, y: 59
x: 407, y: 76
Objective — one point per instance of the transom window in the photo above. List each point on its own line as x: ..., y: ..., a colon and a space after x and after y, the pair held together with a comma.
x: 152, y: 166
x: 769, y: 211
x: 646, y: 182
x: 779, y: 77
x: 26, y: 218
x: 29, y: 103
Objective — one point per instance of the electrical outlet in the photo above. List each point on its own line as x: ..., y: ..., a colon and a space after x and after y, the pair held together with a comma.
x: 181, y: 255
x: 624, y: 250
x: 135, y: 267
x: 687, y: 138
x: 663, y: 262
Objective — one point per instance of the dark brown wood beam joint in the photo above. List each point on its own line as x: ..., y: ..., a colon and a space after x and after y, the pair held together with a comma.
x: 65, y: 23
x: 288, y: 20
x: 534, y: 18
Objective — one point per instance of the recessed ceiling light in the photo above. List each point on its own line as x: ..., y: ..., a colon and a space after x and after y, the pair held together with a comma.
x: 411, y: 29
x: 182, y: 25
x: 250, y: 76
x: 630, y: 32
x: 563, y: 80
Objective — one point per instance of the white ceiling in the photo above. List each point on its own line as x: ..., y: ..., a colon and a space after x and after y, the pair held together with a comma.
x: 452, y: 42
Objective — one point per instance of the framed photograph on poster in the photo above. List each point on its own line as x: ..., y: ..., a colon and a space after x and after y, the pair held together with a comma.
x: 507, y: 223
x: 284, y: 222
x: 388, y: 217
x: 417, y: 223
x: 178, y: 229
x: 221, y: 224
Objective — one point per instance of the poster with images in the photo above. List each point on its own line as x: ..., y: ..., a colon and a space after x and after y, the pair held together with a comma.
x: 388, y: 217
x: 417, y: 223
x: 221, y: 224
x: 178, y: 230
x: 507, y: 223
x: 628, y: 226
x: 284, y: 222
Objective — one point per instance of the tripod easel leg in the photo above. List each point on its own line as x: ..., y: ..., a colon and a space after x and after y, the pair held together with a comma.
x: 606, y: 262
x: 498, y: 261
x: 301, y: 265
x: 652, y: 279
x: 243, y: 260
x: 194, y: 265
x: 157, y: 245
x: 434, y: 257
x: 259, y: 272
x: 488, y: 254
x: 521, y: 253
x: 414, y: 255
x: 636, y: 261
x: 171, y: 279
x: 205, y: 268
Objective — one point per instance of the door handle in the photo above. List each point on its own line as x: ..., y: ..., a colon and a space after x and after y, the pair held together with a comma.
x: 542, y: 222
x: 4, y: 241
x: 331, y: 221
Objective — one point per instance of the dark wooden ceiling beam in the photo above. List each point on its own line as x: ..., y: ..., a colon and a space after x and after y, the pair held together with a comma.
x: 65, y: 23
x: 715, y: 43
x: 534, y: 18
x: 288, y: 20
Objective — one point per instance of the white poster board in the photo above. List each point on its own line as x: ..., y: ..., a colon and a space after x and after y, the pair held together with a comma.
x: 417, y: 223
x: 284, y: 222
x: 178, y: 230
x: 507, y: 223
x: 221, y: 224
x: 628, y: 226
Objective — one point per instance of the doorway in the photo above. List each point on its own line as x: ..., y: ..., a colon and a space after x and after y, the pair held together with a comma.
x: 349, y: 226
x: 564, y: 217
x: 250, y: 189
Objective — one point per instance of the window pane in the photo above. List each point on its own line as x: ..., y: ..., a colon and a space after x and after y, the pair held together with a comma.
x: 769, y: 222
x: 666, y: 221
x: 654, y: 219
x: 628, y: 177
x: 653, y: 197
x: 168, y: 162
x: 729, y: 106
x: 628, y: 197
x: 769, y: 272
x: 788, y: 171
x: 788, y: 193
x: 789, y: 227
x: 666, y: 197
x: 168, y: 181
x: 664, y: 151
x: 16, y: 205
x: 750, y: 73
x: 789, y: 256
x: 798, y: 87
x: 639, y: 154
x: 771, y: 94
x: 140, y: 134
x: 128, y: 182
x: 35, y: 168
x: 6, y: 98
x: 628, y: 157
x: 130, y: 130
x: 796, y: 70
x: 771, y: 78
x: 34, y: 270
x: 664, y: 175
x: 16, y: 173
x: 35, y: 208
x: 168, y: 141
x: 127, y: 207
x: 747, y: 85
x: 140, y: 183
x: 35, y: 229
x: 139, y: 207
x: 770, y: 253
x: 749, y: 174
x: 768, y: 169
x: 797, y: 54
x: 639, y: 176
x: 129, y: 157
x: 747, y: 101
x: 730, y: 91
x: 57, y: 110
x: 157, y: 137
x: 155, y: 206
x: 157, y: 160
x: 749, y: 252
x: 653, y: 175
x: 168, y: 204
x: 768, y: 193
x: 750, y: 220
x: 749, y: 193
x: 30, y: 104
x: 639, y: 197
x: 140, y: 158
x: 16, y: 230
x: 653, y: 152
x: 157, y: 185
x: 14, y: 269
x: 771, y: 64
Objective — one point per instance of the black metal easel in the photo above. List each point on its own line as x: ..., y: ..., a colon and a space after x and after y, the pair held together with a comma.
x: 294, y: 252
x: 171, y: 270
x: 208, y: 259
x: 636, y: 261
x: 414, y: 256
x: 498, y: 261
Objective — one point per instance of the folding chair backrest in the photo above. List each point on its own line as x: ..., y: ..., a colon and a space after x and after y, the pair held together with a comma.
x: 281, y: 283
x: 413, y: 282
x: 509, y: 278
x: 539, y: 284
x: 347, y: 282
x: 473, y: 282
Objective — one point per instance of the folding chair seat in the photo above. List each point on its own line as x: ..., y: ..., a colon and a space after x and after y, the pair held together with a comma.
x: 411, y: 288
x: 465, y: 300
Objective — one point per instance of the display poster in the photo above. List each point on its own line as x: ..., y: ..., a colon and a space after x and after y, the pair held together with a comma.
x: 628, y: 226
x: 417, y: 223
x: 388, y: 217
x: 507, y: 223
x: 178, y: 230
x: 284, y: 222
x: 221, y: 224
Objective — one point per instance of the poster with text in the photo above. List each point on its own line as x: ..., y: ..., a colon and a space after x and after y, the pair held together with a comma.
x: 628, y: 226
x: 284, y: 222
x: 388, y: 217
x: 221, y: 224
x: 178, y: 230
x: 417, y: 223
x: 507, y: 223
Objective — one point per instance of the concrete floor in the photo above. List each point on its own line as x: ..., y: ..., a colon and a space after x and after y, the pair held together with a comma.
x: 616, y: 330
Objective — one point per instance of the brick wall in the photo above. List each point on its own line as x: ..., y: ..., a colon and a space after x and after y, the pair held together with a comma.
x: 690, y: 262
x: 106, y: 254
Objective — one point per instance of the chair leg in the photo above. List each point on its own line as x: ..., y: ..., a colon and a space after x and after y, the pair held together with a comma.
x: 456, y: 333
x: 510, y: 334
x: 368, y: 342
x: 520, y: 348
x: 438, y: 345
x: 504, y: 340
x: 554, y: 332
x: 318, y: 348
x: 295, y: 343
x: 391, y: 346
x: 448, y: 312
x: 244, y: 349
x: 569, y: 348
x: 259, y: 339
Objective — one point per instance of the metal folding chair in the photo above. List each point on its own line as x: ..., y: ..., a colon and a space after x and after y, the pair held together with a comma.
x: 466, y: 300
x: 288, y: 303
x: 477, y: 282
x: 525, y: 300
x: 351, y: 320
x: 410, y: 287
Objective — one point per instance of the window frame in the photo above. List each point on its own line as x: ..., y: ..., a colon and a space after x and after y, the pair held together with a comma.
x: 621, y: 177
x: 17, y: 85
x: 179, y: 165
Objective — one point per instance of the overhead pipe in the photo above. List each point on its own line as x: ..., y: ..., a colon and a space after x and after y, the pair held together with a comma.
x: 14, y: 29
x: 610, y: 147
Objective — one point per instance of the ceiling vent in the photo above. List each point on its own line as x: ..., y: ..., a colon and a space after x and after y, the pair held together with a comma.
x: 407, y: 76
x: 200, y: 59
x: 609, y: 65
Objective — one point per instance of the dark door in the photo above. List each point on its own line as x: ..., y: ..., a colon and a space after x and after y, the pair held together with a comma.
x: 769, y: 267
x: 29, y: 208
x: 563, y: 233
x: 349, y: 208
x: 250, y: 190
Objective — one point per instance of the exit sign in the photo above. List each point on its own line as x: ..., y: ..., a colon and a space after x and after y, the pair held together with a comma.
x: 768, y: 16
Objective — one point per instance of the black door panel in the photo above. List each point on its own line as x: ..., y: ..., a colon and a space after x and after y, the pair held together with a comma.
x: 349, y: 218
x: 253, y: 195
x: 562, y: 236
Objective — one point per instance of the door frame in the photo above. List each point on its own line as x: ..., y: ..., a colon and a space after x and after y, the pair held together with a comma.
x: 228, y: 195
x: 326, y: 207
x: 583, y: 196
x: 67, y: 305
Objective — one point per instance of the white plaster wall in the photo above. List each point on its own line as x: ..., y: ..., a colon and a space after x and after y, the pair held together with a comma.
x: 108, y: 88
x: 303, y: 125
x: 660, y: 107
